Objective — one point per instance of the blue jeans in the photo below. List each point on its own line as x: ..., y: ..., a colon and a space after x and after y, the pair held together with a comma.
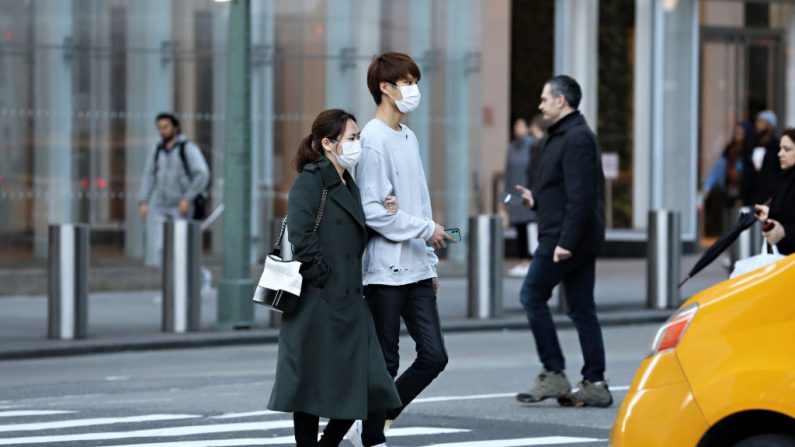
x: 578, y: 275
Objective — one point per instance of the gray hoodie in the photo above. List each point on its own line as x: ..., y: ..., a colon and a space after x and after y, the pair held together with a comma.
x: 171, y: 183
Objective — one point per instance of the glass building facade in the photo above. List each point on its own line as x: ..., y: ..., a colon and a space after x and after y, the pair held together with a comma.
x: 82, y: 80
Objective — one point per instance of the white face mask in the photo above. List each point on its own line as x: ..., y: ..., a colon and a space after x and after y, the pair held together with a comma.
x: 351, y: 153
x: 411, y: 98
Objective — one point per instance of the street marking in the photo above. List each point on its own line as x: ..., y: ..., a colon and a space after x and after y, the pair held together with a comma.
x: 89, y: 422
x: 395, y: 432
x: 189, y: 430
x: 18, y: 413
x: 546, y: 440
x: 117, y: 378
x: 486, y: 396
x: 246, y: 415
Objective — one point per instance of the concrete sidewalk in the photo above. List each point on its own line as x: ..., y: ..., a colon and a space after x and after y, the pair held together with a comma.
x: 120, y: 321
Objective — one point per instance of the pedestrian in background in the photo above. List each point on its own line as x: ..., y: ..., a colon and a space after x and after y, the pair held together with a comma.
x: 761, y: 180
x: 399, y: 262
x: 723, y: 188
x: 175, y: 174
x: 781, y: 211
x: 517, y: 170
x: 568, y: 197
x: 329, y: 363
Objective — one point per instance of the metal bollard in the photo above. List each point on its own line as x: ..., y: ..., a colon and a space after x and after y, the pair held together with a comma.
x: 181, y: 276
x: 486, y: 253
x: 664, y: 257
x: 749, y: 241
x: 67, y: 289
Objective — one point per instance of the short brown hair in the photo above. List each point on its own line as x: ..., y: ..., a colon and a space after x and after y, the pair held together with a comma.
x: 789, y: 132
x: 390, y: 67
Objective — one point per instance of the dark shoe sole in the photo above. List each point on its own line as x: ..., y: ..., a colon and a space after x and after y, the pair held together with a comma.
x: 528, y: 399
x: 567, y: 402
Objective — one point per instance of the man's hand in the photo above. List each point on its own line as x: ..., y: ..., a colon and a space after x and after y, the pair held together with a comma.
x: 561, y: 254
x: 527, y: 196
x: 391, y: 204
x: 776, y: 234
x: 184, y: 207
x: 143, y: 208
x: 437, y: 240
x: 436, y: 286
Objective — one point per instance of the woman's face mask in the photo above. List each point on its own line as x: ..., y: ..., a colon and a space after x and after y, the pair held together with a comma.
x: 351, y: 153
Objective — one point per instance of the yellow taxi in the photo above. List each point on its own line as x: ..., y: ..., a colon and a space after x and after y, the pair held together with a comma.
x: 722, y: 369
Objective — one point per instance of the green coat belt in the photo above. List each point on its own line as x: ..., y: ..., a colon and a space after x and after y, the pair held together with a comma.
x: 330, y: 362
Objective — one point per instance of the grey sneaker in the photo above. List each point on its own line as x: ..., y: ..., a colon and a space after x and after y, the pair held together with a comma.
x: 588, y: 394
x: 548, y: 385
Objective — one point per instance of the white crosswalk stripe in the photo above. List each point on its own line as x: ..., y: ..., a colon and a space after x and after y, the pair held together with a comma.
x: 191, y: 435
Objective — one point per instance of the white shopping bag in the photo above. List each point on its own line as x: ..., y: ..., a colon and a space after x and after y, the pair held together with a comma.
x: 748, y: 265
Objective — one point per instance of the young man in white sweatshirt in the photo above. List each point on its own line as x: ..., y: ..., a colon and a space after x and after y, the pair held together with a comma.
x: 399, y: 262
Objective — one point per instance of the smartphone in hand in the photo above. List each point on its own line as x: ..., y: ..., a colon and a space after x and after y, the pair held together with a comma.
x: 511, y: 198
x: 455, y: 233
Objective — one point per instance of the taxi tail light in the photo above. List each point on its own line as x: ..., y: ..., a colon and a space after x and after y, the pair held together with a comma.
x: 671, y: 333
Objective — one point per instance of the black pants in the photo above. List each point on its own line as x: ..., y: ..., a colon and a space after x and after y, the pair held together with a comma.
x: 522, y: 240
x: 578, y: 275
x: 306, y: 430
x: 416, y: 304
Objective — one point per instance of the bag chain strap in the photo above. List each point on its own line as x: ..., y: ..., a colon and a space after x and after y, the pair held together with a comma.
x: 278, y: 244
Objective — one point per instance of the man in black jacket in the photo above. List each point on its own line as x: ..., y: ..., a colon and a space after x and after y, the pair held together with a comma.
x: 568, y: 198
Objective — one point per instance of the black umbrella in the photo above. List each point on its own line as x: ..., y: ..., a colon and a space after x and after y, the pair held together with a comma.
x: 745, y: 221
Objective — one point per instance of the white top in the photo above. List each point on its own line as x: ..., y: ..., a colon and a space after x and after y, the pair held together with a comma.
x: 391, y: 165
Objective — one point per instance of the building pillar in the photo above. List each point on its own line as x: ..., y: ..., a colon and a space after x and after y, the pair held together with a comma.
x: 421, y: 48
x: 150, y: 90
x: 263, y: 42
x: 53, y: 180
x: 641, y: 152
x: 577, y: 50
x: 457, y: 126
x: 341, y: 52
x: 674, y: 119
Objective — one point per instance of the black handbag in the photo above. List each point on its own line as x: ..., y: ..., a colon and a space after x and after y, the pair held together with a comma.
x: 279, y: 287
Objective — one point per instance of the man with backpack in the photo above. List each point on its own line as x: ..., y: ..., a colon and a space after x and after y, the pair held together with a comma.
x: 174, y: 181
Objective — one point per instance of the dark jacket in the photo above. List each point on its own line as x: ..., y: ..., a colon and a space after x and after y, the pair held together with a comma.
x: 330, y: 362
x: 782, y: 209
x: 759, y: 186
x: 569, y: 189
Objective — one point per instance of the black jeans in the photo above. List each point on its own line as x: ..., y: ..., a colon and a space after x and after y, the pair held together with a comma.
x: 306, y: 425
x: 578, y: 275
x: 416, y: 304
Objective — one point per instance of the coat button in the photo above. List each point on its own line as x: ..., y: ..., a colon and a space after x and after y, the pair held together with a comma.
x: 339, y: 221
x: 359, y: 256
x: 358, y: 290
x: 347, y: 291
x: 348, y: 256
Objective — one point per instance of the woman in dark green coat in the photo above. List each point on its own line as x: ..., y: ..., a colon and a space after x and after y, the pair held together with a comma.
x: 330, y: 362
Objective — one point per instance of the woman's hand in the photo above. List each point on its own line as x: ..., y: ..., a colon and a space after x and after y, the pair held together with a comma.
x: 391, y: 204
x: 762, y: 211
x: 776, y: 234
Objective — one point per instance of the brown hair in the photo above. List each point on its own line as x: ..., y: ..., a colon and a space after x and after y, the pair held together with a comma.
x: 790, y: 133
x: 390, y: 67
x: 329, y: 124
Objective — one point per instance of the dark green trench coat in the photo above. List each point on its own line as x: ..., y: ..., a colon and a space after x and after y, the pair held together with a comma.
x: 330, y: 363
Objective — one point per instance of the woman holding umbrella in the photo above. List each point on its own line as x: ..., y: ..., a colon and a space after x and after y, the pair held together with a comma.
x: 780, y: 215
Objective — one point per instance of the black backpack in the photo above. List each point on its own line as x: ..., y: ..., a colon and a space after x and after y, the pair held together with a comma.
x: 200, y: 201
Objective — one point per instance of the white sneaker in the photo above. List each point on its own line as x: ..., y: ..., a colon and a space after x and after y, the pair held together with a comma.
x: 518, y: 270
x: 354, y: 435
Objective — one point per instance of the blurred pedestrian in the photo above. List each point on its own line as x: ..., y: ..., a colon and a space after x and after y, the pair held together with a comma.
x: 175, y: 175
x: 761, y: 180
x: 399, y: 262
x: 330, y: 363
x: 723, y: 188
x: 568, y: 197
x: 780, y: 214
x: 517, y: 170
